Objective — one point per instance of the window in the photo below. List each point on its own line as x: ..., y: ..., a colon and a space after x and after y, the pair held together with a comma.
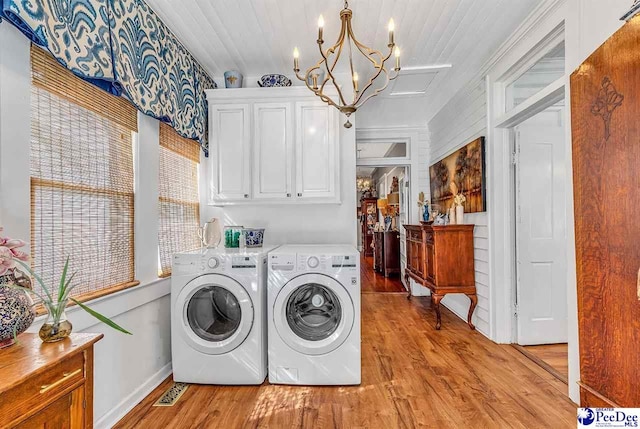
x: 380, y: 149
x: 82, y: 180
x: 179, y: 204
x: 544, y: 72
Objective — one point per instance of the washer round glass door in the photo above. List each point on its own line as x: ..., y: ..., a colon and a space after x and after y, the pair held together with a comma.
x: 217, y: 313
x: 313, y: 314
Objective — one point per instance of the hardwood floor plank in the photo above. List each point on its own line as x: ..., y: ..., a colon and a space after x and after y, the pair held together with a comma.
x: 412, y: 377
x: 374, y: 282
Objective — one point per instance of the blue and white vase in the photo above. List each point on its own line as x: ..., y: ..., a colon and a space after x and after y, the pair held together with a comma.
x: 254, y: 237
x: 233, y: 79
x: 17, y: 311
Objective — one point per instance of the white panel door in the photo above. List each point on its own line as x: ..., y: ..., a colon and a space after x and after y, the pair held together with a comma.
x: 317, y: 164
x: 230, y: 152
x: 541, y: 230
x: 273, y: 151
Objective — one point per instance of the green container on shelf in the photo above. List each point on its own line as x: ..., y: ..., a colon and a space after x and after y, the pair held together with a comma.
x: 232, y: 236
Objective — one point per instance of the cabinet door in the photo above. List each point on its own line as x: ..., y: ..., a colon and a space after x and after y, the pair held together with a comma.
x: 229, y: 152
x: 317, y: 161
x: 273, y: 151
x: 56, y: 415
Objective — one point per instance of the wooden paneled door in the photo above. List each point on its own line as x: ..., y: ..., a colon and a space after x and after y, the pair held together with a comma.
x: 605, y: 105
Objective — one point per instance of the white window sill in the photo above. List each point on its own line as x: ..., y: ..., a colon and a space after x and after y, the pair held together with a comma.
x: 114, y: 304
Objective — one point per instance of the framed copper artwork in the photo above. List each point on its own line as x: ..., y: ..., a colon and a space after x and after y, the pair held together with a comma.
x: 461, y: 172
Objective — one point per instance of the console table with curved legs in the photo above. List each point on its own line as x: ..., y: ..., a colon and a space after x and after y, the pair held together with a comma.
x: 441, y: 259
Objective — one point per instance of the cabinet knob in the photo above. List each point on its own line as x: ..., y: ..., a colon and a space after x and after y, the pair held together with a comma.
x: 299, y: 194
x: 288, y: 195
x: 246, y: 195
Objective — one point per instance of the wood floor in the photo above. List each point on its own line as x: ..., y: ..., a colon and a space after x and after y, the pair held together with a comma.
x: 374, y: 282
x: 412, y: 376
x: 554, y: 356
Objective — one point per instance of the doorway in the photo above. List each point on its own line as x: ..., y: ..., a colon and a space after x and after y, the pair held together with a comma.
x: 540, y: 239
x: 382, y: 209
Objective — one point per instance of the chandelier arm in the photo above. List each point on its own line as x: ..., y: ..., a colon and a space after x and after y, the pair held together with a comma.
x: 380, y: 69
x: 360, y: 102
x: 367, y: 51
x: 317, y: 92
x: 339, y: 44
x: 333, y: 79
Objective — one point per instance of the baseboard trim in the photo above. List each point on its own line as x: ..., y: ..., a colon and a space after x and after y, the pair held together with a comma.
x: 108, y: 420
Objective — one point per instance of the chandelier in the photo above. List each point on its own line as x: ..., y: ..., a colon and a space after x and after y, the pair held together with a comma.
x: 363, y: 184
x: 315, y: 78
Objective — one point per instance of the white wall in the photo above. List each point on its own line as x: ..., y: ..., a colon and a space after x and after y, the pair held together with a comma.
x: 461, y: 120
x: 126, y: 368
x: 301, y: 223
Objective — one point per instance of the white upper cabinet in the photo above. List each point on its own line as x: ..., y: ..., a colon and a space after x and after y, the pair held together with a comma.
x: 272, y: 145
x: 316, y: 149
x: 230, y: 152
x: 272, y: 150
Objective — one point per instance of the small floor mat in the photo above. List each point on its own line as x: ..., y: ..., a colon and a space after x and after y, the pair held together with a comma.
x: 172, y: 395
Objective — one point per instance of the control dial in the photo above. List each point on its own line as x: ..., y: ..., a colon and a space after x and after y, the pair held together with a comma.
x: 313, y: 262
x: 213, y: 262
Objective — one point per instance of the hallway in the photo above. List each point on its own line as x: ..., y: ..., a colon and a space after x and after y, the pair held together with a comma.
x: 374, y: 282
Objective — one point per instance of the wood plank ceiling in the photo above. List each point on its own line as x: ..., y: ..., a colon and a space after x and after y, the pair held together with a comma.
x: 257, y: 37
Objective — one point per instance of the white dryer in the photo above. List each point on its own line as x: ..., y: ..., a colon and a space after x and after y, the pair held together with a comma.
x: 314, y: 315
x: 218, y: 316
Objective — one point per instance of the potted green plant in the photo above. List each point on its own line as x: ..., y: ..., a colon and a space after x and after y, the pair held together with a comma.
x: 57, y: 327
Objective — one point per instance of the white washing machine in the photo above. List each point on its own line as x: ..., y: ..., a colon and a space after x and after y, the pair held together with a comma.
x: 218, y: 316
x: 314, y: 315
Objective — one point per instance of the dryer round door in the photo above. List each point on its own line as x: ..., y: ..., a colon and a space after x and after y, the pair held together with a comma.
x: 217, y: 313
x: 313, y: 314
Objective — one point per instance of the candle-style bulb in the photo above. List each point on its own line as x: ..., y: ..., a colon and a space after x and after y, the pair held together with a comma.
x: 296, y: 53
x: 392, y: 25
x: 321, y: 21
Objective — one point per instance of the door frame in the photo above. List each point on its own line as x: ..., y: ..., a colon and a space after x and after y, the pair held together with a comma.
x: 514, y: 167
x: 415, y: 159
x: 501, y: 174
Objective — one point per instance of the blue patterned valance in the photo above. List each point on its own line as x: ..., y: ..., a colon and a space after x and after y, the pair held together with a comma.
x: 123, y: 47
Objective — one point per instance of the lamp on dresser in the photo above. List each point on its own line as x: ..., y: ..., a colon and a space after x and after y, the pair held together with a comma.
x: 440, y: 258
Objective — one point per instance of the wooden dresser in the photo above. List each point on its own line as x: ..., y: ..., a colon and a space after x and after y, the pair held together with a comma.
x: 441, y: 259
x: 387, y: 253
x: 47, y: 385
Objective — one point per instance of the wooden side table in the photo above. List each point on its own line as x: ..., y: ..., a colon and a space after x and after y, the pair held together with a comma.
x: 47, y: 384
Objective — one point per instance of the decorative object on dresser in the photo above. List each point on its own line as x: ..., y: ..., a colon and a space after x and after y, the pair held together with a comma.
x: 274, y: 80
x: 462, y: 172
x: 441, y: 259
x: 369, y: 219
x: 459, y: 201
x: 606, y: 159
x: 424, y: 205
x: 349, y: 45
x: 233, y: 79
x: 387, y: 253
x: 16, y: 306
x: 57, y: 327
x: 48, y: 385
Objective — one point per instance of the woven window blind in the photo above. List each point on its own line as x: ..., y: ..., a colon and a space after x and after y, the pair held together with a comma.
x: 179, y: 204
x: 82, y: 181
